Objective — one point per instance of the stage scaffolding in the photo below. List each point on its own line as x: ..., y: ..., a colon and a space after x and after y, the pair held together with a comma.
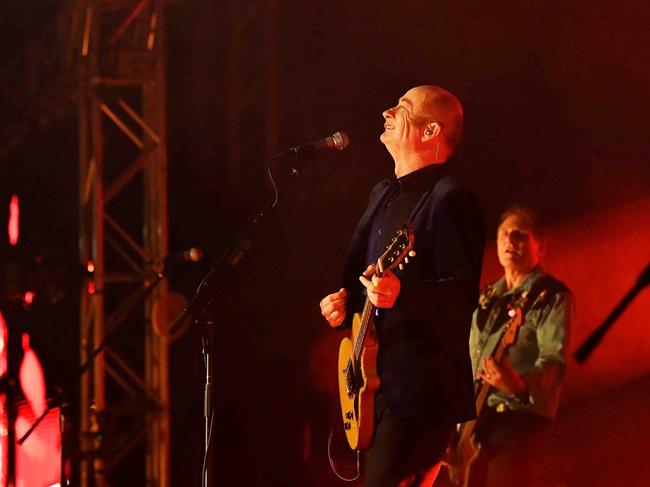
x: 109, y: 57
x: 124, y: 403
x: 112, y: 52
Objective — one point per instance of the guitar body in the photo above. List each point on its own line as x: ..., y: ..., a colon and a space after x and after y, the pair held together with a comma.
x: 357, y: 393
x: 462, y: 454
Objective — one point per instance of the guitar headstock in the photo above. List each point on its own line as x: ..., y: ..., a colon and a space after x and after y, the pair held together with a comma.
x: 398, y: 250
x: 510, y: 333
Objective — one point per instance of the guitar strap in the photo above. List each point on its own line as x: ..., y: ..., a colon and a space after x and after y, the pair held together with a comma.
x: 541, y: 290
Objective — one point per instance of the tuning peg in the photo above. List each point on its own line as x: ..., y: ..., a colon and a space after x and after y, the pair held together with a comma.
x: 401, y: 267
x: 412, y: 253
x: 406, y: 260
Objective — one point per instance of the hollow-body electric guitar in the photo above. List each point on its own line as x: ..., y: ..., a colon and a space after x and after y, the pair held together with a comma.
x: 357, y: 364
x: 464, y: 448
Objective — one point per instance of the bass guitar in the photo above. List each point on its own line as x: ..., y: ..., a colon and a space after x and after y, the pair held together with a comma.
x: 357, y: 363
x: 464, y: 448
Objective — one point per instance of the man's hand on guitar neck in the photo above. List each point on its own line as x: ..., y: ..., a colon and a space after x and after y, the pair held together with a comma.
x: 502, y: 377
x: 382, y: 291
x: 333, y: 307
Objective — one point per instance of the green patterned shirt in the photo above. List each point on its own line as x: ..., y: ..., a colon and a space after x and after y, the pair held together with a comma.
x: 539, y: 352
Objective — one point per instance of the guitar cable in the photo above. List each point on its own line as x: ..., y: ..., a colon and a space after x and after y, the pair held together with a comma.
x: 275, y: 187
x: 333, y: 467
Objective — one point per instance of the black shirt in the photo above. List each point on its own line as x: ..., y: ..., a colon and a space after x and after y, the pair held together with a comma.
x: 401, y: 198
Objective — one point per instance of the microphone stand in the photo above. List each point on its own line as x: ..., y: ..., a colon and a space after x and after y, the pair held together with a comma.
x: 597, y: 335
x: 112, y: 325
x: 200, y: 308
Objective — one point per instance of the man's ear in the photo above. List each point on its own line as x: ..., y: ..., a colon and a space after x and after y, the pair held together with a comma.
x: 431, y: 131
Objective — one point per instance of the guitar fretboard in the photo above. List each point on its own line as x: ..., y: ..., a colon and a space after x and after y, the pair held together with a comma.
x: 366, y: 315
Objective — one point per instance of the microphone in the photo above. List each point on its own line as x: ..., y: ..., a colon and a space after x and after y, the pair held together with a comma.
x: 338, y: 141
x: 191, y: 255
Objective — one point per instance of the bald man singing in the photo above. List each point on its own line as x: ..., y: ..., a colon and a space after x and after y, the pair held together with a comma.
x: 425, y: 310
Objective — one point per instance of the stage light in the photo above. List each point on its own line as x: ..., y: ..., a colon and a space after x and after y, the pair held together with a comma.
x: 28, y: 297
x: 13, y: 226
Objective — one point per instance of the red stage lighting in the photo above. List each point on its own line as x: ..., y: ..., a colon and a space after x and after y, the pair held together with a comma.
x: 13, y: 226
x: 28, y: 297
x: 38, y: 459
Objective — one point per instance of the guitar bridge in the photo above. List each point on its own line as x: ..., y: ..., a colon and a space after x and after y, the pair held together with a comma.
x: 350, y: 382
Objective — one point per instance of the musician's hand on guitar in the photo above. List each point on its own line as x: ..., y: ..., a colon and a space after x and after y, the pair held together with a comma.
x: 333, y: 307
x: 382, y: 291
x: 503, y: 377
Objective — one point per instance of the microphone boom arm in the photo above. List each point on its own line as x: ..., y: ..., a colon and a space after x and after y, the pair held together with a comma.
x: 592, y: 341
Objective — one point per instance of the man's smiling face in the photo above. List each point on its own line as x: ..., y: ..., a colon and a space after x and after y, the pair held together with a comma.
x: 404, y: 124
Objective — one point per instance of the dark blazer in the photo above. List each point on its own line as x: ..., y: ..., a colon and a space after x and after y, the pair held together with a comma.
x: 424, y: 363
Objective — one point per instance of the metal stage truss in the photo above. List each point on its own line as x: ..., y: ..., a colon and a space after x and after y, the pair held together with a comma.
x: 124, y: 403
x: 112, y: 52
x: 109, y: 56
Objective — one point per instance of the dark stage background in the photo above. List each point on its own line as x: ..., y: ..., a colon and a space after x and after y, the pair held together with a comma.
x: 556, y: 102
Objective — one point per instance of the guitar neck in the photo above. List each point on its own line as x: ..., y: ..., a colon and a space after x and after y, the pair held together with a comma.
x: 394, y: 255
x: 481, y: 392
x: 483, y: 387
x: 366, y: 317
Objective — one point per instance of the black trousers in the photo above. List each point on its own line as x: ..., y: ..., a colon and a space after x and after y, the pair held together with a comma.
x: 403, y: 446
x: 508, y: 448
